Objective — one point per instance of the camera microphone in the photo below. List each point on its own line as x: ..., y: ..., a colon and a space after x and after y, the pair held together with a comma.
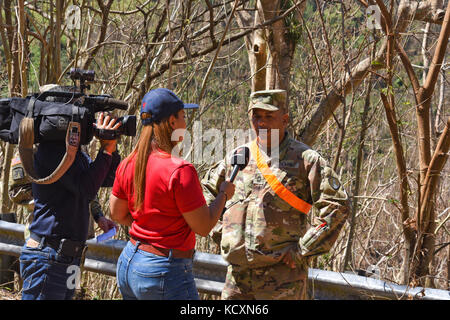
x: 239, y: 161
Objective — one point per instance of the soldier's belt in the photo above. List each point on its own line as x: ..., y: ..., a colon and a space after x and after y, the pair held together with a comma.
x: 275, y: 184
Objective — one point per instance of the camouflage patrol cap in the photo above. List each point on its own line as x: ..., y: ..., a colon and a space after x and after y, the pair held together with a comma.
x: 271, y: 100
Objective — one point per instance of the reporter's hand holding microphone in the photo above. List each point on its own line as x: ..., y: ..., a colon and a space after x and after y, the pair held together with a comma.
x: 239, y: 161
x: 205, y: 218
x: 227, y: 188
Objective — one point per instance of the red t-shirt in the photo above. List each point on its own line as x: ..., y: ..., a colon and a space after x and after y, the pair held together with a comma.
x: 172, y: 188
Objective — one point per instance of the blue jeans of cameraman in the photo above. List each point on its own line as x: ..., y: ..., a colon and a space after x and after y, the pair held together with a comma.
x: 48, y: 275
x: 143, y: 275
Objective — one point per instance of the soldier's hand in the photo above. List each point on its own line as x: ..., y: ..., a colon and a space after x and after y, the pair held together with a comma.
x: 289, y: 259
x: 228, y: 188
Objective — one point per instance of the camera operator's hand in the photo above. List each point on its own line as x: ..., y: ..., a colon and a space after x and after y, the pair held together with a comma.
x: 109, y: 123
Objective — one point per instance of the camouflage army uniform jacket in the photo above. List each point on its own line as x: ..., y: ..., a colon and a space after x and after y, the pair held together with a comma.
x: 259, y: 228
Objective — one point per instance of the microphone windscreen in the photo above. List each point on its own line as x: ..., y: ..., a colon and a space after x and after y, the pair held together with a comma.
x: 241, y: 157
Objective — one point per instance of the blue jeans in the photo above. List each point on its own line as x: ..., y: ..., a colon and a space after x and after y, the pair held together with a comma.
x: 47, y: 275
x: 145, y: 276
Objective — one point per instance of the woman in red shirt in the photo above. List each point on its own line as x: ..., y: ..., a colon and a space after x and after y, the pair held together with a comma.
x: 160, y: 197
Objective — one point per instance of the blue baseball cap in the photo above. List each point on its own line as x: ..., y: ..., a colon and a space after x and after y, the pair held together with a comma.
x: 159, y: 104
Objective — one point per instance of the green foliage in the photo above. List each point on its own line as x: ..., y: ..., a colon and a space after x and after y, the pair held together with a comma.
x: 398, y: 82
x: 324, y: 261
x: 294, y: 26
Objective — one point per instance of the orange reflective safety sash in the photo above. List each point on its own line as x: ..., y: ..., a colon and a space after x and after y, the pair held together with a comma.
x: 275, y: 184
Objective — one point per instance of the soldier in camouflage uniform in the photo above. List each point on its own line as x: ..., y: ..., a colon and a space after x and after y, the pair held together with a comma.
x: 266, y: 241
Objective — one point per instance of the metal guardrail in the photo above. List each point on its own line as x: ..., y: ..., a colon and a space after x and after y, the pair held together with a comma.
x: 210, y: 271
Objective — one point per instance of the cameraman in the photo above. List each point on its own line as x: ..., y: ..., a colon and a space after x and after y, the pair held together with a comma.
x: 51, y: 256
x: 21, y: 194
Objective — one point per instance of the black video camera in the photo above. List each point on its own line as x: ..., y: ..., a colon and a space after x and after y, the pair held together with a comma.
x: 52, y: 111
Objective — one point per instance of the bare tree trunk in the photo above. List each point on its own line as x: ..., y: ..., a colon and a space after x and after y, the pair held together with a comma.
x: 14, y: 80
x: 257, y: 49
x: 280, y: 45
x: 50, y: 76
x: 426, y: 235
x: 430, y: 168
x: 424, y: 98
x: 428, y: 11
x: 271, y: 49
x: 57, y: 32
x: 5, y: 202
x: 6, y: 41
x: 105, y: 9
x: 23, y: 47
x: 388, y: 103
x: 169, y: 26
x: 16, y: 51
x: 418, y: 256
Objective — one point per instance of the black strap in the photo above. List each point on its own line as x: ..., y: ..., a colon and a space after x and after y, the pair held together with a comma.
x: 74, y: 249
x: 51, y: 242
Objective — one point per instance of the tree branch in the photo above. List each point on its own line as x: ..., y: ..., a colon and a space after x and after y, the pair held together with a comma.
x: 105, y: 9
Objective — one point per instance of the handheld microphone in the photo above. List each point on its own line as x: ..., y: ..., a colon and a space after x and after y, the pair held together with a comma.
x: 239, y: 161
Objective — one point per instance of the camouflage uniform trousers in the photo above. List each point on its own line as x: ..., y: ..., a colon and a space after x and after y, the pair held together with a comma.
x: 276, y: 282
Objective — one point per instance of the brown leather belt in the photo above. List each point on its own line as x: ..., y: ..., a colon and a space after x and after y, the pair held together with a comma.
x: 163, y: 251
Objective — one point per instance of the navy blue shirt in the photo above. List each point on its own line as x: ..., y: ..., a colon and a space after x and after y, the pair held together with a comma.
x: 62, y: 208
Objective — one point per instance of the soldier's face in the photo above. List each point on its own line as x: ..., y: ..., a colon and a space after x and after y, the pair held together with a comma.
x: 269, y: 125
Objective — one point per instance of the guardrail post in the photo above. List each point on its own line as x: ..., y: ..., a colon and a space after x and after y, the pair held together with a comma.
x: 8, y: 263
